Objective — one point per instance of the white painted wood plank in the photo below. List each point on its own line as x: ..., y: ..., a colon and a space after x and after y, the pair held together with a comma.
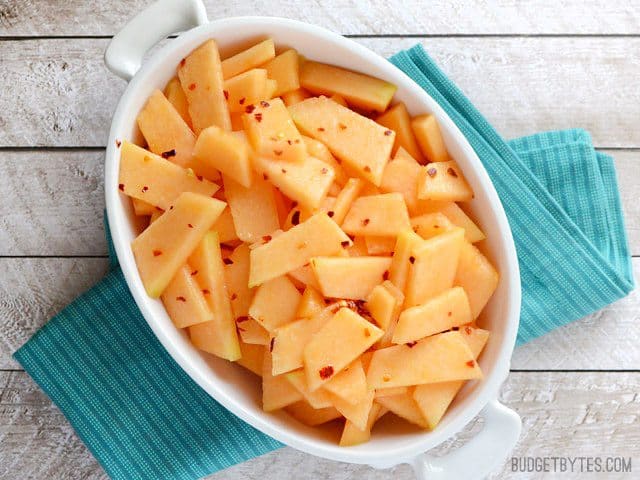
x: 62, y: 95
x: 78, y: 17
x: 564, y: 414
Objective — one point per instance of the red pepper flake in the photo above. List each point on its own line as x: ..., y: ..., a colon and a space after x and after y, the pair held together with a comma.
x: 412, y: 259
x: 200, y: 177
x: 365, y: 222
x: 432, y: 172
x: 264, y: 104
x: 170, y: 207
x: 324, y: 170
x: 320, y: 129
x: 244, y: 318
x: 467, y: 330
x: 436, y: 226
x: 411, y: 344
x: 302, y: 245
x: 181, y: 299
x: 234, y: 296
x: 367, y: 168
x: 452, y: 172
x: 448, y: 314
x: 121, y: 186
x: 283, y: 171
x: 189, y: 225
x: 295, y: 218
x: 296, y: 141
x: 289, y: 142
x: 249, y: 108
x: 266, y: 238
x: 118, y: 143
x: 342, y: 126
x: 228, y: 261
x: 169, y: 153
x: 471, y: 363
x: 277, y: 152
x: 367, y: 333
x: 271, y: 344
x: 226, y: 94
x: 182, y: 62
x: 345, y: 244
x: 330, y: 213
x: 326, y: 372
x: 385, y: 275
x: 242, y: 100
x: 258, y: 117
x: 157, y: 253
x: 192, y: 86
x: 386, y: 378
x: 144, y: 189
x: 455, y: 329
x: 205, y: 291
x: 387, y: 132
x: 265, y: 176
x: 195, y: 272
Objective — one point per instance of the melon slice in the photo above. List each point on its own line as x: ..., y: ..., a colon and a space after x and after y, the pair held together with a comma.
x: 359, y: 248
x: 218, y: 336
x: 476, y: 338
x: 165, y: 131
x: 345, y: 199
x: 431, y: 224
x: 320, y: 151
x: 284, y: 69
x: 397, y: 119
x: 319, y: 234
x: 305, y: 413
x: 252, y: 332
x: 443, y: 181
x: 383, y: 305
x: 401, y: 175
x: 337, y: 344
x: 252, y: 358
x: 352, y: 435
x: 456, y: 215
x: 218, y: 150
x: 390, y: 392
x: 358, y: 413
x: 362, y: 91
x: 163, y: 247
x: 246, y: 89
x: 184, y: 300
x: 397, y: 294
x: 380, y: 245
x: 306, y: 181
x: 310, y: 304
x: 350, y: 384
x: 400, y: 262
x: 380, y: 215
x: 155, y: 215
x: 363, y: 145
x: 275, y: 303
x: 404, y: 406
x: 236, y: 274
x: 174, y: 93
x: 200, y: 75
x: 236, y: 122
x: 317, y: 399
x: 248, y: 59
x: 295, y: 96
x: 439, y: 358
x: 277, y: 391
x: 155, y: 180
x: 272, y: 133
x: 253, y: 209
x: 225, y: 227
x: 142, y: 208
x: 304, y: 277
x: 350, y: 277
x: 477, y: 276
x: 433, y: 266
x: 442, y: 312
x: 429, y: 137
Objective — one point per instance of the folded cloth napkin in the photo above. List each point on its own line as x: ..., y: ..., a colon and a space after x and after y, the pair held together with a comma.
x: 143, y: 417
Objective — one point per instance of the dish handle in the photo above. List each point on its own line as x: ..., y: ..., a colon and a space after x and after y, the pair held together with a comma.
x: 479, y: 456
x: 156, y: 22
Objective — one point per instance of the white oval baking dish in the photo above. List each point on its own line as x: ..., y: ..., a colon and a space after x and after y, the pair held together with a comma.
x: 230, y: 385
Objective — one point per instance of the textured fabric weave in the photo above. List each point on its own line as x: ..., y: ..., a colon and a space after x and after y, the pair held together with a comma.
x: 143, y: 418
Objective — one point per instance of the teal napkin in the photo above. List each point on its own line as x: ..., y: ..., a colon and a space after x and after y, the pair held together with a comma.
x: 143, y: 418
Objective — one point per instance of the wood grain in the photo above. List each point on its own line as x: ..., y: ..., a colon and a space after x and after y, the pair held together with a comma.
x: 62, y: 95
x: 78, y: 17
x: 563, y: 414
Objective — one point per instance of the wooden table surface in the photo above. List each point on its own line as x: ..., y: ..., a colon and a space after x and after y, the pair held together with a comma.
x: 528, y: 66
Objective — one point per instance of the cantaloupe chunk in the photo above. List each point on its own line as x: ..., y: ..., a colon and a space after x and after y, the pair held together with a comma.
x: 252, y: 332
x: 350, y: 277
x: 350, y: 384
x: 442, y: 312
x: 431, y: 224
x: 295, y: 96
x: 443, y: 181
x: 477, y: 276
x: 400, y: 263
x: 310, y: 304
x: 304, y: 277
x: 219, y: 150
x: 253, y: 209
x: 320, y: 151
x: 284, y: 69
x: 339, y: 99
x: 401, y: 175
x: 476, y: 338
x: 358, y: 413
x: 427, y: 132
x: 434, y: 266
x: 345, y: 199
x: 383, y: 305
x: 165, y: 131
x: 358, y: 248
x: 174, y: 93
x: 225, y: 227
x: 200, y: 75
x: 246, y: 89
x: 317, y: 399
x: 305, y: 413
x: 359, y: 142
x: 337, y: 344
x: 272, y: 87
x: 352, y: 435
x: 379, y: 245
x: 157, y: 181
x: 404, y: 406
x: 236, y: 274
x: 390, y: 392
x: 456, y: 215
x: 248, y: 59
x: 272, y: 133
x: 380, y: 215
x: 275, y: 303
x: 397, y: 294
x: 237, y: 125
x: 184, y: 300
x: 359, y: 90
x: 306, y: 181
x: 252, y: 358
x: 277, y: 391
x: 397, y: 119
x: 319, y: 234
x: 142, y: 208
x: 439, y: 358
x: 163, y: 247
x: 155, y: 215
x: 218, y: 336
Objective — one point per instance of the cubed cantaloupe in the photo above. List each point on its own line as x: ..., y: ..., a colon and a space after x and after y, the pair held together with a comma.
x: 380, y: 245
x: 383, y: 305
x: 397, y: 119
x: 200, y: 75
x: 345, y: 198
x: 157, y: 181
x: 362, y: 91
x: 174, y: 93
x: 401, y: 175
x: 218, y: 336
x: 252, y: 357
x: 358, y: 141
x: 305, y: 413
x: 217, y: 150
x: 311, y: 303
x: 272, y: 133
x: 317, y: 399
x: 429, y: 138
x: 246, y: 89
x: 429, y: 225
x: 357, y: 413
x: 275, y: 303
x: 253, y: 209
x: 358, y: 248
x: 252, y: 332
x: 439, y: 358
x: 442, y: 312
x: 304, y: 277
x: 277, y: 391
x: 248, y: 59
x: 142, y: 208
x: 443, y: 181
x: 225, y: 227
x: 236, y: 274
x: 166, y: 132
x: 350, y: 277
x: 184, y: 301
x: 404, y: 406
x: 350, y: 384
x: 401, y: 260
x: 456, y: 215
x: 319, y: 235
x: 380, y: 215
x: 337, y: 344
x: 163, y: 247
x: 397, y: 294
x: 352, y: 435
x: 284, y: 69
x: 319, y: 150
x: 295, y: 96
x: 434, y: 263
x: 477, y: 276
x: 475, y: 337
